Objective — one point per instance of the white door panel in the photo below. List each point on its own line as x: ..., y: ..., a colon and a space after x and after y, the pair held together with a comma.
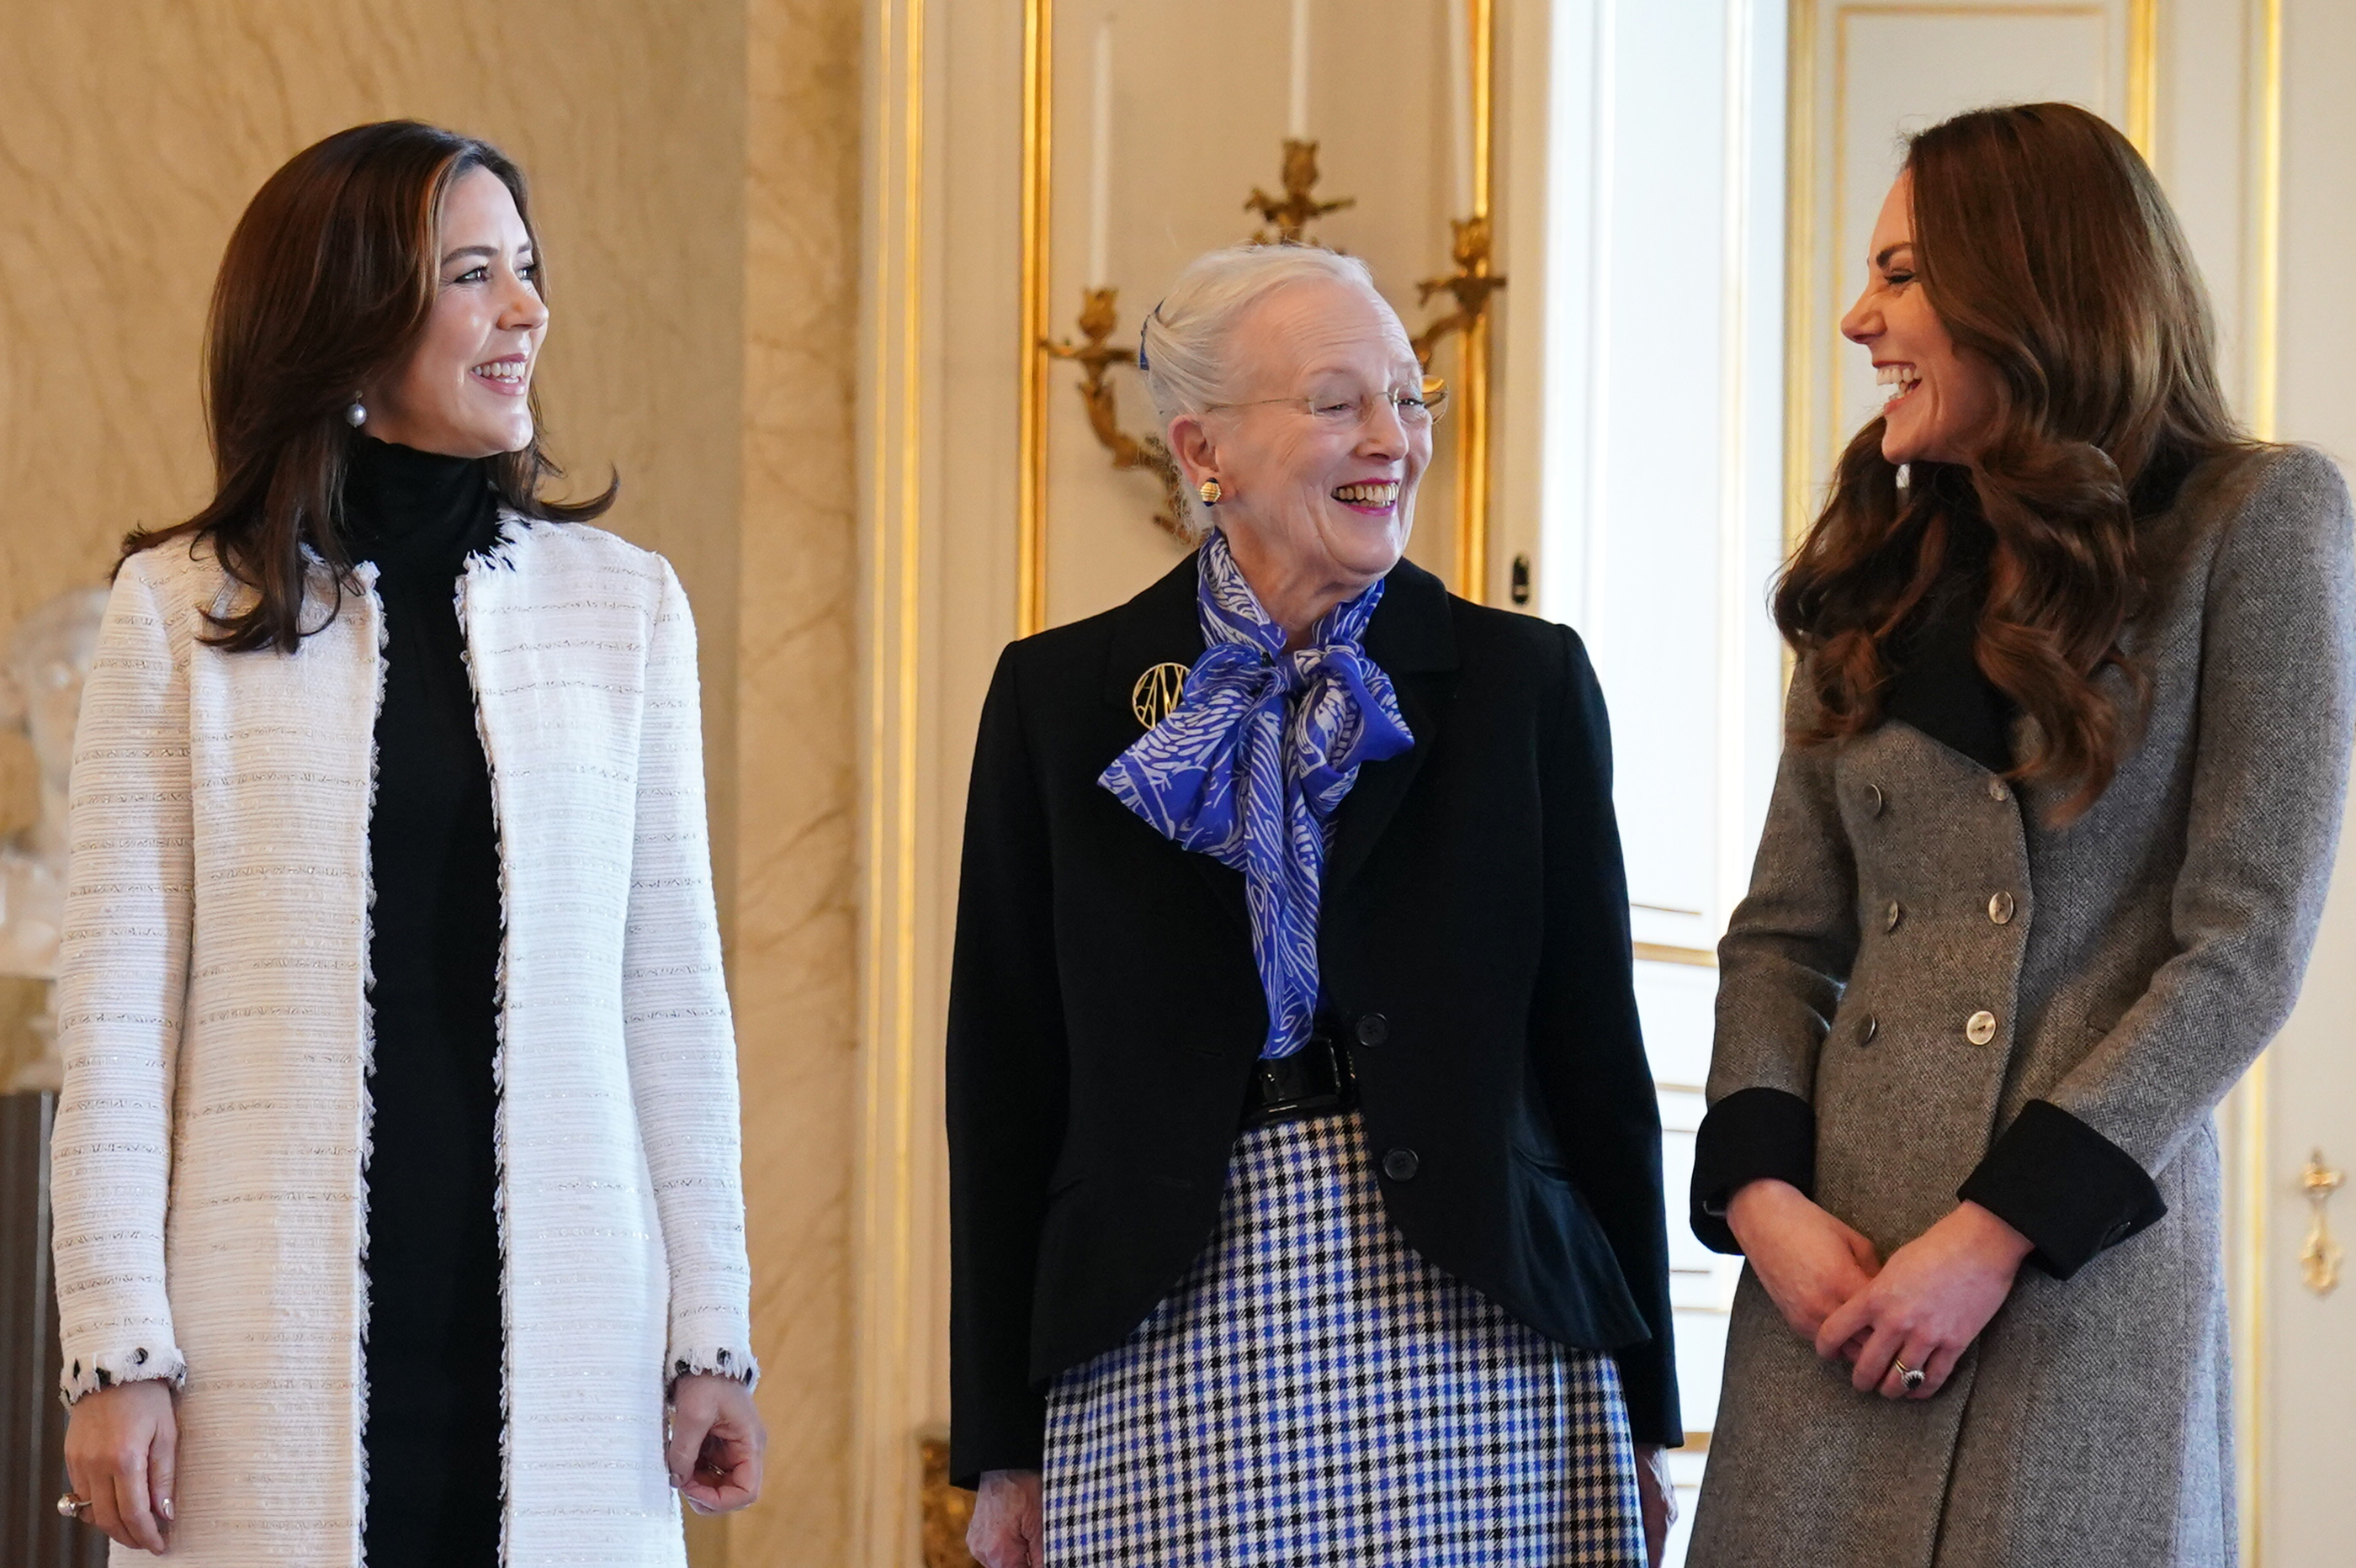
x: 2301, y: 1436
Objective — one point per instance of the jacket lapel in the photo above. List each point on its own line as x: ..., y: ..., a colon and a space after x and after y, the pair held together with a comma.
x: 1161, y: 626
x: 1413, y: 638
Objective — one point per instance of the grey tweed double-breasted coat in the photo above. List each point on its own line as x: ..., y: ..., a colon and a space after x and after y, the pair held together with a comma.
x: 2148, y: 952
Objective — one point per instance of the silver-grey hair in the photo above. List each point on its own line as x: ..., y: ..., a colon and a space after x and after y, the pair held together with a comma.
x: 1184, y: 349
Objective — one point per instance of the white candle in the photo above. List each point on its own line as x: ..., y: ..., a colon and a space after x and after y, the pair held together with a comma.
x: 1100, y: 185
x: 1297, y: 123
x: 1460, y: 105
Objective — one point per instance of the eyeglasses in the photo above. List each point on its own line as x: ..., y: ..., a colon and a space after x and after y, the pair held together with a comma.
x: 1414, y: 411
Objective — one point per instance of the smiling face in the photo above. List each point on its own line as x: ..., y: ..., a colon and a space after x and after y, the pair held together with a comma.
x: 466, y: 390
x: 1942, y: 400
x: 1318, y: 469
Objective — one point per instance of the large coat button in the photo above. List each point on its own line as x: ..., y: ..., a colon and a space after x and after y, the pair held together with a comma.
x: 1372, y: 1030
x: 1980, y: 1027
x: 1997, y: 792
x: 1401, y: 1164
x: 1868, y: 1030
x: 1873, y: 801
x: 2000, y: 909
x: 1892, y: 915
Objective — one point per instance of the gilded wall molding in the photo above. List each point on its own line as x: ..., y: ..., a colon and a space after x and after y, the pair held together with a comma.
x: 889, y: 1191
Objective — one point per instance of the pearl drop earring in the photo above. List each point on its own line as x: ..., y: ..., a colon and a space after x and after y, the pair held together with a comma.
x: 357, y: 415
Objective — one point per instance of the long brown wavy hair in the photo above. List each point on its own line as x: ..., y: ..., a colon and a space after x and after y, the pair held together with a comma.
x: 326, y: 288
x: 2048, y: 251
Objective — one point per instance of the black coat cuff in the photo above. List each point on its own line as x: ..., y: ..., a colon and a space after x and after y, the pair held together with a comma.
x: 1648, y: 1387
x: 2068, y: 1189
x: 1751, y: 1134
x: 1010, y: 1433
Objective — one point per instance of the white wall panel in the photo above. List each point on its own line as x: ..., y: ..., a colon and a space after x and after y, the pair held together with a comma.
x: 1662, y: 355
x: 1660, y: 516
x: 2305, y: 1416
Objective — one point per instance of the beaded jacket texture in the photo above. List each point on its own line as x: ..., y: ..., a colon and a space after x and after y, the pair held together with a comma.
x: 210, y: 1154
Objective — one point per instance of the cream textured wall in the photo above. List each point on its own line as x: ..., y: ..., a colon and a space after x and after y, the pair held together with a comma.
x: 695, y: 180
x: 796, y: 957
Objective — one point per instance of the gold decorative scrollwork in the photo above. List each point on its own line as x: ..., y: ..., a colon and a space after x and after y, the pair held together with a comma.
x: 1469, y: 285
x: 1096, y: 353
x: 1095, y: 356
x: 947, y: 1509
x: 2319, y: 1254
x: 1285, y: 221
x: 1298, y: 207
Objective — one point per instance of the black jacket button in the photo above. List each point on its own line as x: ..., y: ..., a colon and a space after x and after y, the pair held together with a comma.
x: 1401, y: 1164
x: 1373, y: 1028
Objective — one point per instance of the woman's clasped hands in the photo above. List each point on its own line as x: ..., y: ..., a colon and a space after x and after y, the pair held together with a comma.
x: 1917, y: 1312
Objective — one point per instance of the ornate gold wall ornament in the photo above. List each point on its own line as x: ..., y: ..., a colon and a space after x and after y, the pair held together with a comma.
x: 1284, y: 220
x: 2319, y: 1255
x: 1095, y: 357
x: 1469, y: 285
x: 948, y: 1509
x: 1298, y: 207
x: 1157, y: 692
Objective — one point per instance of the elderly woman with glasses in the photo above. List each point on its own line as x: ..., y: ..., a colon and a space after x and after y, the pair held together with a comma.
x: 1305, y: 1173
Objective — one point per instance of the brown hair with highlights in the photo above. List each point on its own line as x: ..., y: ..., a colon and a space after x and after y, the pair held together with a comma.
x: 325, y: 287
x: 2049, y: 251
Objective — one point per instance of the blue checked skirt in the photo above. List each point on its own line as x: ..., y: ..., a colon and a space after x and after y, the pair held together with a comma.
x: 1313, y: 1393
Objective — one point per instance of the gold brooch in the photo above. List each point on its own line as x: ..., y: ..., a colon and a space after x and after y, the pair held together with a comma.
x: 1156, y: 693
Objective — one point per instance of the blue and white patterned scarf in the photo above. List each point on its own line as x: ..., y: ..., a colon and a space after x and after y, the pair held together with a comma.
x: 1252, y: 764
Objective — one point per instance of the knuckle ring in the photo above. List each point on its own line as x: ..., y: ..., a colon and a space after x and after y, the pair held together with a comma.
x: 71, y: 1506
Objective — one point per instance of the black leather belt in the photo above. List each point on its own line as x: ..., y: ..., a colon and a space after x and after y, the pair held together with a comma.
x: 1315, y: 1081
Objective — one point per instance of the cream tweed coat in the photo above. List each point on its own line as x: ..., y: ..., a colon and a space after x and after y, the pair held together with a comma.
x: 210, y: 1156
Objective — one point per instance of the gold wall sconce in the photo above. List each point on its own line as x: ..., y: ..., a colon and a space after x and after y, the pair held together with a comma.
x: 947, y: 1509
x: 1283, y: 218
x: 1471, y: 285
x: 2319, y: 1254
x: 1095, y: 356
x: 1293, y: 212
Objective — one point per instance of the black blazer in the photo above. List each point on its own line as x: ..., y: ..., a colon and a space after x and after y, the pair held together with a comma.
x: 1105, y: 1013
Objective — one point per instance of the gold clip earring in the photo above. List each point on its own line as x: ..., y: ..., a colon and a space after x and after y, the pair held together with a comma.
x: 1210, y: 492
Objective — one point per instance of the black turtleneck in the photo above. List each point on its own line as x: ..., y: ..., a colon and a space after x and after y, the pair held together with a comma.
x: 1937, y: 685
x: 434, y: 1342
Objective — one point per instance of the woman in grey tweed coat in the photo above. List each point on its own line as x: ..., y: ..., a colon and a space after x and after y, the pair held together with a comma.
x: 2041, y: 871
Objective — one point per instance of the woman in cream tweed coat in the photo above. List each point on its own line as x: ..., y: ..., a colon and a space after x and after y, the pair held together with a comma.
x: 223, y: 996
